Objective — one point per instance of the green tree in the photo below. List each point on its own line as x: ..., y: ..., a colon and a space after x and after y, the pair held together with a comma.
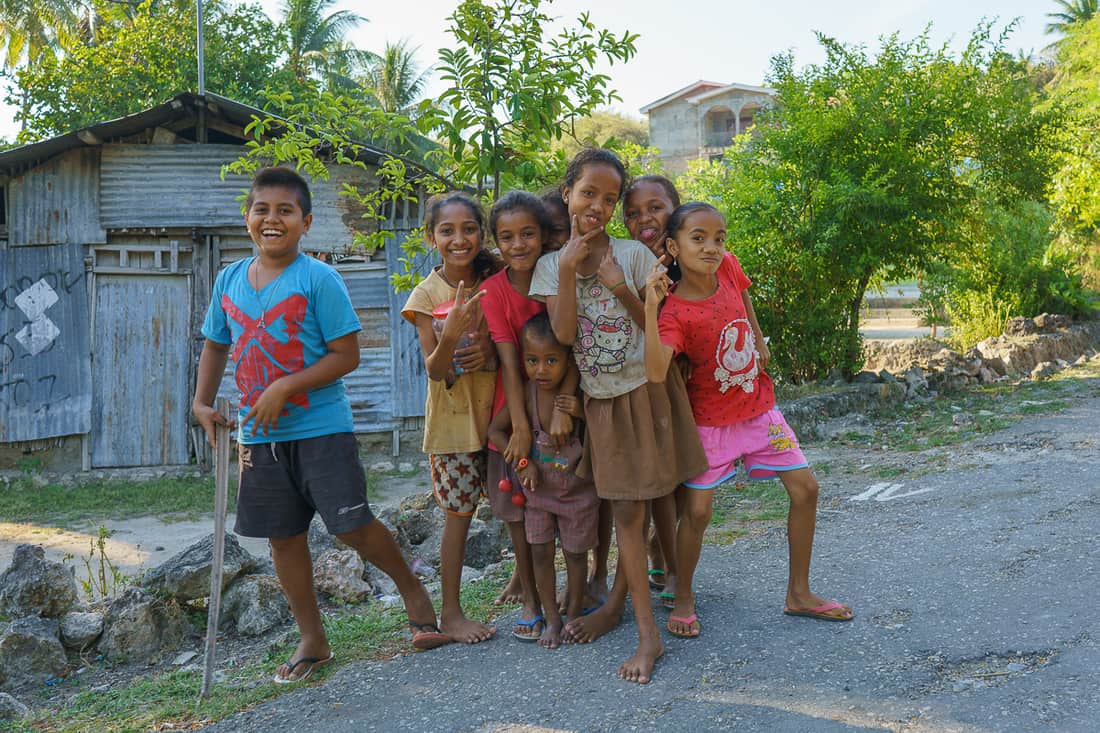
x: 1076, y: 88
x: 145, y: 60
x: 1074, y: 191
x: 512, y: 88
x: 30, y: 28
x: 316, y: 41
x: 601, y: 128
x: 1072, y: 13
x: 869, y: 166
x: 395, y: 79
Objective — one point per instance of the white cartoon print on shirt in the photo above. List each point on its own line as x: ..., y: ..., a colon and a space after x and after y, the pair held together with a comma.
x: 602, y: 345
x: 736, y: 356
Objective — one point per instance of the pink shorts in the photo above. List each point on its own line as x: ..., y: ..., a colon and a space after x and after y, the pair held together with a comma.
x: 766, y: 444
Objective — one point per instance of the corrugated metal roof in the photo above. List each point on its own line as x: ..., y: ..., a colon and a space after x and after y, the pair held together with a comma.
x: 57, y: 202
x: 183, y: 106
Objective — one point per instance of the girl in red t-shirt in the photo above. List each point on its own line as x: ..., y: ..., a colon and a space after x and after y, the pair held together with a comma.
x: 709, y: 318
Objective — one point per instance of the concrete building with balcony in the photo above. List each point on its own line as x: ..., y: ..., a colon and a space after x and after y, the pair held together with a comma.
x: 700, y: 120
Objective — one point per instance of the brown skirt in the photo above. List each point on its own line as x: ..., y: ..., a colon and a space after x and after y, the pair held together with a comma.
x: 641, y: 445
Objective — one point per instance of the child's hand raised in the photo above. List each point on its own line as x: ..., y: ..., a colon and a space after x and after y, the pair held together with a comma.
x: 657, y: 284
x: 610, y: 274
x: 463, y: 316
x: 577, y: 248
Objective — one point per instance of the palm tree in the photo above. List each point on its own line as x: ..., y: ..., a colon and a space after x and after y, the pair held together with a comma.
x: 317, y: 40
x: 395, y: 79
x: 1073, y: 12
x: 31, y: 27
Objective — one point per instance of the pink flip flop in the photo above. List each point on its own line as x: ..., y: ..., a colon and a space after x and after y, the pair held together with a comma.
x: 686, y: 621
x: 821, y: 613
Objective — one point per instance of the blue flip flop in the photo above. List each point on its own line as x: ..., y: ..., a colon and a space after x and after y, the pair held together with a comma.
x: 530, y: 625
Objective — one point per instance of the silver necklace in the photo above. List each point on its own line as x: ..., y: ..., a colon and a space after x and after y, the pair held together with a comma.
x: 262, y: 323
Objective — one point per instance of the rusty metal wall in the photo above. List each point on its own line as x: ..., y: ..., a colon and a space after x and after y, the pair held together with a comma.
x: 45, y: 376
x: 57, y: 202
x: 410, y: 378
x: 144, y: 186
x: 185, y: 182
x: 141, y: 344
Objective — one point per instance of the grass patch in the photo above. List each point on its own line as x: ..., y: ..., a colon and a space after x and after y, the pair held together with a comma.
x: 184, y: 497
x: 177, y: 498
x: 169, y: 700
x: 738, y: 507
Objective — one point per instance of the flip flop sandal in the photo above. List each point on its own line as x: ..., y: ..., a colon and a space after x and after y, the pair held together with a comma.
x: 313, y: 662
x: 653, y: 582
x: 821, y: 613
x: 529, y: 625
x: 427, y: 636
x: 686, y: 621
x: 668, y: 600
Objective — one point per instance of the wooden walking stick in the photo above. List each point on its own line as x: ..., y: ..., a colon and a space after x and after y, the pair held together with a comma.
x: 221, y: 492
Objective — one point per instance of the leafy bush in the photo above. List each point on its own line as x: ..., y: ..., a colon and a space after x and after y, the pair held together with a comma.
x: 1009, y: 266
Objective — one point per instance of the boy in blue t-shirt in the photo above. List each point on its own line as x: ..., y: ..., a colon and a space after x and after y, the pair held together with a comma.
x: 292, y: 329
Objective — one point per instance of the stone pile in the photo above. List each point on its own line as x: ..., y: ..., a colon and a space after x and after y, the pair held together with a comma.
x: 896, y: 371
x: 1030, y: 347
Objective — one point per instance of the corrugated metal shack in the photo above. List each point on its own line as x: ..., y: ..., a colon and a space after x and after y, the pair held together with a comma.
x: 110, y: 238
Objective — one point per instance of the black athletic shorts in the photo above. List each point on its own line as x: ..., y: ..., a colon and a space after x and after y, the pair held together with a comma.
x: 283, y: 484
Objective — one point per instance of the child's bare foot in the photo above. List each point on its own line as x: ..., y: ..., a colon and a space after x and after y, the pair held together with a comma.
x: 465, y: 630
x: 551, y: 636
x: 512, y: 593
x: 814, y: 606
x: 530, y: 624
x: 682, y: 621
x: 298, y: 667
x: 639, y: 667
x: 668, y: 593
x: 597, y: 588
x: 586, y: 629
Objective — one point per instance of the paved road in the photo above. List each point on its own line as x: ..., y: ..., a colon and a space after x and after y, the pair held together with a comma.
x: 976, y: 604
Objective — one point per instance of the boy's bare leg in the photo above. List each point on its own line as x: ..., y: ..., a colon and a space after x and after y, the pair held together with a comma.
x: 529, y: 593
x: 586, y: 629
x: 294, y: 567
x: 375, y: 544
x: 689, y: 544
x: 656, y: 557
x: 802, y: 488
x: 542, y: 556
x: 576, y: 572
x: 629, y: 520
x: 513, y: 592
x: 597, y: 584
x: 452, y: 551
x: 664, y: 525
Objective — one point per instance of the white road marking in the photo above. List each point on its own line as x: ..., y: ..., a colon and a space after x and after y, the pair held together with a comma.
x: 885, y: 492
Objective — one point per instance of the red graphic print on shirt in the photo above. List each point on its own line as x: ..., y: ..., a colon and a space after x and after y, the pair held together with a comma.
x: 736, y: 357
x: 260, y: 357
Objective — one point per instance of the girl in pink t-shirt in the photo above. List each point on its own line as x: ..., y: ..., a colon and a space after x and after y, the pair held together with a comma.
x: 520, y: 225
x: 709, y: 318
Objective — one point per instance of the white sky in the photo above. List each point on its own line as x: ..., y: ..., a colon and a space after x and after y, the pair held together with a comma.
x: 715, y: 40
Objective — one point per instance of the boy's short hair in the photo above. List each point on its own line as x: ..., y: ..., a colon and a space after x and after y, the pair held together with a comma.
x: 279, y: 177
x: 539, y: 327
